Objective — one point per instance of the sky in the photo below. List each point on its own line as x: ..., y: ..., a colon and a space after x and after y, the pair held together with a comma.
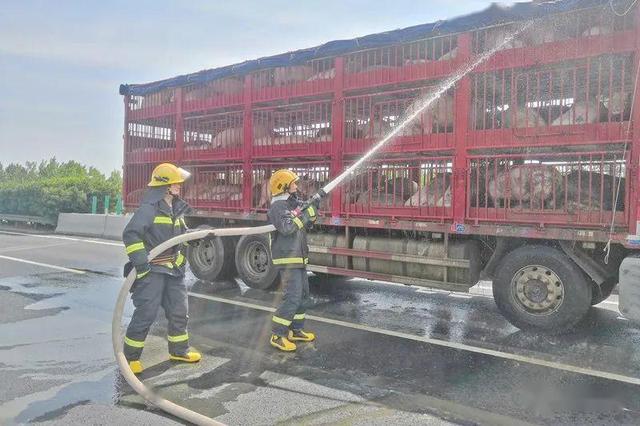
x: 61, y: 62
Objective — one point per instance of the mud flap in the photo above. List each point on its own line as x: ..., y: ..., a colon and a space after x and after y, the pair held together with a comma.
x: 629, y: 288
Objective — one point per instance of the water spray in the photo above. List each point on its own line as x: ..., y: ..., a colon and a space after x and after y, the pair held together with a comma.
x: 422, y: 105
x: 116, y: 331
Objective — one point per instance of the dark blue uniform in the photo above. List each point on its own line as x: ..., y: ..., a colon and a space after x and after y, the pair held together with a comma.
x: 160, y: 282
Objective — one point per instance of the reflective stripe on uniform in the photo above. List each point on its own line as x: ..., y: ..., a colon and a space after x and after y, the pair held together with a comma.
x: 180, y: 259
x: 282, y: 321
x: 180, y: 338
x: 133, y: 343
x: 142, y: 274
x: 134, y: 247
x: 164, y: 220
x: 290, y: 260
x: 312, y: 211
x: 298, y: 317
x: 298, y: 222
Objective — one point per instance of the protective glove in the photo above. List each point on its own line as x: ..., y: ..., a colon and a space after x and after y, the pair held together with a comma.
x: 142, y: 271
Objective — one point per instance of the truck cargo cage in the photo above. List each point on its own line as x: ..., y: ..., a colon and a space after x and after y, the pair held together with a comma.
x: 417, y: 188
x: 213, y: 94
x: 153, y: 104
x: 409, y: 61
x: 214, y: 187
x: 151, y: 140
x: 213, y: 135
x: 549, y: 189
x: 588, y: 99
x: 136, y: 178
x: 368, y: 118
x: 314, y: 77
x: 564, y: 26
x: 292, y: 130
x: 313, y: 176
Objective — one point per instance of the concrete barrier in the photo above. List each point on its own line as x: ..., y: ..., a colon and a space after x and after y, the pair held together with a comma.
x: 92, y: 225
x: 114, y: 226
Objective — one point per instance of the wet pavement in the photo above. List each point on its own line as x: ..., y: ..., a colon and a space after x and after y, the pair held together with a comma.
x: 385, y: 354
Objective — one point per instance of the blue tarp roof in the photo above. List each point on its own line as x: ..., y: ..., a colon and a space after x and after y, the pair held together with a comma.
x: 494, y: 14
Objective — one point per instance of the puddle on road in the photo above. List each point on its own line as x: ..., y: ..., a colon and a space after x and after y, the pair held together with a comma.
x: 55, y: 362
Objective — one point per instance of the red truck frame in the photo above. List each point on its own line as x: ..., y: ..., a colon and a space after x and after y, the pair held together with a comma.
x: 534, y: 148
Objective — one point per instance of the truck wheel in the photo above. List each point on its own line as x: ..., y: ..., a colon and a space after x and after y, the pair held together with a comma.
x: 211, y: 259
x: 253, y: 262
x: 539, y: 288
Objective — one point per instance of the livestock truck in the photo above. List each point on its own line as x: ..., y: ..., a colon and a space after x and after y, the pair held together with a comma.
x: 525, y: 173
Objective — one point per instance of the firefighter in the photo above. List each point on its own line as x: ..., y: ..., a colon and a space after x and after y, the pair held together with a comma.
x: 289, y: 251
x: 159, y: 282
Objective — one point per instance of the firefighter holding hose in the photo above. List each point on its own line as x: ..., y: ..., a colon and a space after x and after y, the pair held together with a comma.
x: 160, y: 282
x: 289, y: 251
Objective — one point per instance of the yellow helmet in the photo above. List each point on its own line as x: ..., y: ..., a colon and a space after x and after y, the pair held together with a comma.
x: 168, y: 174
x: 280, y: 181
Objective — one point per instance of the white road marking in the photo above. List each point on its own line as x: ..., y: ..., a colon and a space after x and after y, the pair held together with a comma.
x: 58, y: 237
x: 23, y: 248
x: 438, y: 342
x: 45, y: 265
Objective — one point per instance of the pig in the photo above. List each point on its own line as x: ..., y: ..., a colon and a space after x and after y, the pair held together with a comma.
x: 542, y: 32
x: 308, y: 187
x: 585, y: 113
x: 227, y: 86
x: 436, y: 118
x: 409, y: 62
x: 287, y: 75
x: 531, y: 185
x: 400, y: 186
x: 323, y: 75
x: 585, y: 189
x: 449, y: 55
x: 261, y: 194
x: 436, y: 193
x: 230, y: 137
x: 495, y: 39
x: 378, y: 199
x: 323, y: 135
x: 221, y: 192
x: 262, y: 135
x: 528, y: 118
x: 427, y: 197
x: 617, y: 104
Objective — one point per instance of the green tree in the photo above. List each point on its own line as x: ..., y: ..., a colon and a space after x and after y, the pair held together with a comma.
x: 50, y: 187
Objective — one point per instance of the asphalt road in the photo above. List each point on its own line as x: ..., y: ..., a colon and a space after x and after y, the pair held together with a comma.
x: 385, y: 354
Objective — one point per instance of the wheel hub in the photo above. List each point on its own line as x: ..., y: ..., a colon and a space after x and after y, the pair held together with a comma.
x: 538, y: 290
x: 204, y: 254
x: 258, y: 258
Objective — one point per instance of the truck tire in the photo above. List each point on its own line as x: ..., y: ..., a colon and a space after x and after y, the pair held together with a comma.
x: 211, y: 259
x: 253, y: 262
x: 539, y: 288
